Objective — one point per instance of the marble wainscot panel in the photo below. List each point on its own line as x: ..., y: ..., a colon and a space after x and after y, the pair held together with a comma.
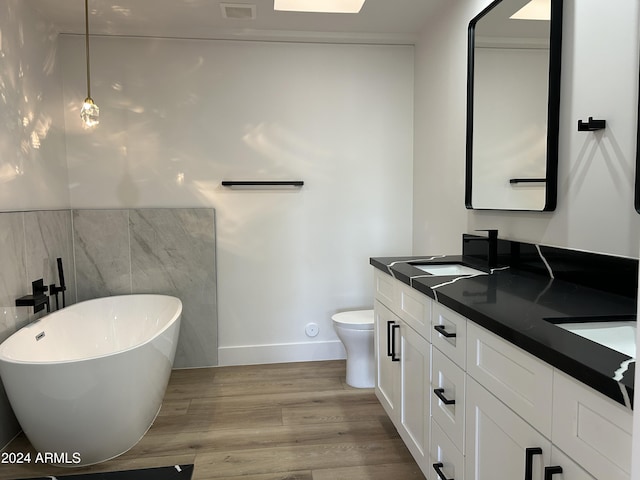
x: 101, y: 248
x: 173, y: 252
x: 49, y: 237
x: 13, y: 281
x: 31, y: 243
x: 168, y: 251
x: 13, y: 276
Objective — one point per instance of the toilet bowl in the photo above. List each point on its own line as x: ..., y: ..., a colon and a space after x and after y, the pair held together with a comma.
x: 355, y: 330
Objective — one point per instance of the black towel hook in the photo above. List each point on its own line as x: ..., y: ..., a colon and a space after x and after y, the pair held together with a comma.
x: 591, y: 125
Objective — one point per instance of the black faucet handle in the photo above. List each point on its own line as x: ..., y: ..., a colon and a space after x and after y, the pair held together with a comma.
x: 38, y: 299
x: 38, y: 287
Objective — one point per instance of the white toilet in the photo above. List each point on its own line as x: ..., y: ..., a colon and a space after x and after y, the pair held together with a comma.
x: 355, y: 330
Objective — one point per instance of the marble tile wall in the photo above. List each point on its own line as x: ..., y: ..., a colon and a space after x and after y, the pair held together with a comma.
x: 169, y: 251
x: 112, y: 252
x: 31, y: 242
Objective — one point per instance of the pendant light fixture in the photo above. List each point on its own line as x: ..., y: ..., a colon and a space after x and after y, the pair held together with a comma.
x: 89, y: 112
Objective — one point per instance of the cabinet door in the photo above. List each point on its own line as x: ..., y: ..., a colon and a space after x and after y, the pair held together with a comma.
x: 591, y: 428
x: 387, y: 370
x: 415, y: 368
x: 570, y: 469
x: 497, y: 440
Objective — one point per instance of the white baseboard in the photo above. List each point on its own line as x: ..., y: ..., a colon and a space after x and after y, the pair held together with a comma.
x: 281, y: 353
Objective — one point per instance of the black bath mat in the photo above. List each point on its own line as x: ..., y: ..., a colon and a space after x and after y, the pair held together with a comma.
x: 176, y: 472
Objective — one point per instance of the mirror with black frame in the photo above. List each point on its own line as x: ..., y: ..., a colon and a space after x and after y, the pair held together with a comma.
x: 513, y: 106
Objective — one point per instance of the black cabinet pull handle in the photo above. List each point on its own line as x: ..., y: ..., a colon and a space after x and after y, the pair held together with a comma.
x: 528, y: 461
x: 551, y: 471
x: 394, y: 357
x: 389, y: 340
x: 438, y: 468
x: 440, y: 394
x: 441, y: 330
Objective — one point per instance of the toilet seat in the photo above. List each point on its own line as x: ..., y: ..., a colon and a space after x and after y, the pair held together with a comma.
x: 354, y: 320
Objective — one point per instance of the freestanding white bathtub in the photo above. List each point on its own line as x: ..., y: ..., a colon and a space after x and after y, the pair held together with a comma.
x: 86, y: 382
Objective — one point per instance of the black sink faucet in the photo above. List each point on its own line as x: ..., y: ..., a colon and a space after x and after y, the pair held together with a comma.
x: 492, y: 239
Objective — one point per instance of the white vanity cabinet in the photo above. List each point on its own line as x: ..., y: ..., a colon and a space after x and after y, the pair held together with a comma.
x: 472, y: 406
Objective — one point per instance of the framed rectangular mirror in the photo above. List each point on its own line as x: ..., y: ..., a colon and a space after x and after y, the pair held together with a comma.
x: 513, y: 106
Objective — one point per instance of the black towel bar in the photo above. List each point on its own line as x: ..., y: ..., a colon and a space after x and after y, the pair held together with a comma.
x: 262, y: 183
x: 528, y: 180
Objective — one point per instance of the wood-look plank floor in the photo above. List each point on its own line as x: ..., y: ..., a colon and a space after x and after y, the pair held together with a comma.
x: 296, y: 421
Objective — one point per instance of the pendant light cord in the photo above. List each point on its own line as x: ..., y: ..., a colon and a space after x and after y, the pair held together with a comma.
x: 86, y: 23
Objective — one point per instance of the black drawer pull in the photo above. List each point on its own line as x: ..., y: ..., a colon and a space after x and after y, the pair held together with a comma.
x: 528, y: 461
x: 389, y: 341
x: 440, y: 394
x: 438, y: 468
x: 394, y: 357
x: 551, y: 471
x: 440, y: 329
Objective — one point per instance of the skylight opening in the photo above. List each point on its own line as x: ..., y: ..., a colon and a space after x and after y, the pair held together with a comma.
x: 319, y: 6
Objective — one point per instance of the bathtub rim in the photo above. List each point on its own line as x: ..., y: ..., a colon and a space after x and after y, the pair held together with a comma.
x: 175, y: 316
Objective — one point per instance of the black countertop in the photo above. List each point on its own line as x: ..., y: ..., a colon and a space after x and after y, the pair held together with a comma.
x: 516, y: 304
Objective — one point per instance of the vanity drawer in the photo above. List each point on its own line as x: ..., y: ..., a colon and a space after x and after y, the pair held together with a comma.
x: 449, y: 333
x: 592, y: 429
x: 520, y: 380
x: 415, y: 309
x: 384, y: 286
x: 448, y: 385
x: 445, y: 453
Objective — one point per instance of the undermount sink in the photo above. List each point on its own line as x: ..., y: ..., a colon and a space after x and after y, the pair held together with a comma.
x: 442, y: 269
x: 618, y: 333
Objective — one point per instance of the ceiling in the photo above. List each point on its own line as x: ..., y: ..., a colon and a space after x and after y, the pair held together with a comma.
x: 379, y: 21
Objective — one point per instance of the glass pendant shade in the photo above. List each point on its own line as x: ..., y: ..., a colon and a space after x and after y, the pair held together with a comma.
x: 89, y: 113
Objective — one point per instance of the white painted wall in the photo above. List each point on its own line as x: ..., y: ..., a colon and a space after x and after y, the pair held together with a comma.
x: 179, y: 116
x: 33, y: 168
x: 596, y: 173
x: 439, y: 215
